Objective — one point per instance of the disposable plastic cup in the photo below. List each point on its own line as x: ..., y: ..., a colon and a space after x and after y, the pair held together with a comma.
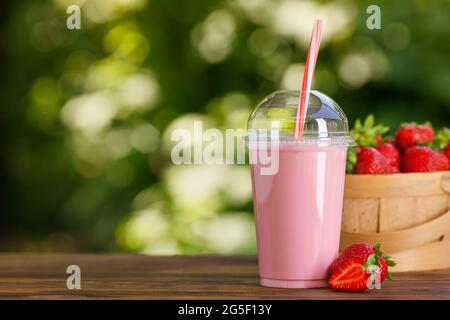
x: 297, y: 204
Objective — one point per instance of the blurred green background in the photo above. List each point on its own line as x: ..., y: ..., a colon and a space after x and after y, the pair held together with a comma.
x: 87, y: 114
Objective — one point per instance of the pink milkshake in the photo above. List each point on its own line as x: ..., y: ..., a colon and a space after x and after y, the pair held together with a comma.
x: 298, y: 208
x: 298, y: 215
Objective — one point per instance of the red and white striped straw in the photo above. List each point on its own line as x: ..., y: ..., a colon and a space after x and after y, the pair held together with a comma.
x: 308, y: 73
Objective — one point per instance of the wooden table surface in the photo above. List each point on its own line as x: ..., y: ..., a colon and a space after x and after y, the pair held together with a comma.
x: 112, y: 276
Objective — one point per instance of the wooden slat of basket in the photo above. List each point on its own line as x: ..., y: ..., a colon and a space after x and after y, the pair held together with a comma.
x: 360, y: 215
x: 403, y: 239
x: 431, y: 256
x: 407, y: 212
x: 395, y: 185
x: 445, y: 182
x: 447, y: 236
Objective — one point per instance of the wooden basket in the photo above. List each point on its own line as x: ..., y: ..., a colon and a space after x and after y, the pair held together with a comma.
x: 407, y: 213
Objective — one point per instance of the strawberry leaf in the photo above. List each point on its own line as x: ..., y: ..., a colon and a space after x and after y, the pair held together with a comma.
x: 367, y: 134
x: 377, y: 248
x: 391, y: 263
x: 351, y: 160
x: 349, y: 168
x: 369, y: 121
x: 388, y: 258
x: 351, y: 155
x: 442, y: 139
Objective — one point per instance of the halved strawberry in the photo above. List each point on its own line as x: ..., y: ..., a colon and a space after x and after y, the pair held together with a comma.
x: 364, y: 251
x: 351, y: 275
x: 360, y: 250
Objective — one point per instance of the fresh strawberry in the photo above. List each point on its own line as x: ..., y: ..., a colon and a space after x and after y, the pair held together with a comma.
x: 424, y: 159
x: 392, y: 154
x: 392, y: 169
x: 364, y: 251
x: 360, y: 250
x: 412, y: 134
x: 447, y: 151
x: 371, y: 161
x: 365, y: 134
x: 350, y: 275
x: 384, y: 269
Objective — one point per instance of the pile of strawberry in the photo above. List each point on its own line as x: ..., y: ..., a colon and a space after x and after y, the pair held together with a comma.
x: 414, y: 148
x: 358, y: 266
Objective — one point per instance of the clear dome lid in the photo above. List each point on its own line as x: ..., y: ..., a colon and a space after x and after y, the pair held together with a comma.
x: 324, y: 122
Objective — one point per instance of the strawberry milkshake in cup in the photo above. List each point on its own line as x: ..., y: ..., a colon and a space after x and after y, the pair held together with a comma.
x: 297, y: 187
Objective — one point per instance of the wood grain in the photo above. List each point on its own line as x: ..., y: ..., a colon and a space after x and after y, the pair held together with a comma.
x: 405, y: 239
x: 395, y: 185
x: 360, y: 215
x: 406, y: 212
x: 42, y: 276
x: 431, y: 256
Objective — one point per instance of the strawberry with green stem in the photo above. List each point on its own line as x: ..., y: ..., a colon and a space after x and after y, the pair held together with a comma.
x: 365, y: 134
x: 351, y: 275
x: 354, y: 273
x: 442, y: 142
x: 364, y: 251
